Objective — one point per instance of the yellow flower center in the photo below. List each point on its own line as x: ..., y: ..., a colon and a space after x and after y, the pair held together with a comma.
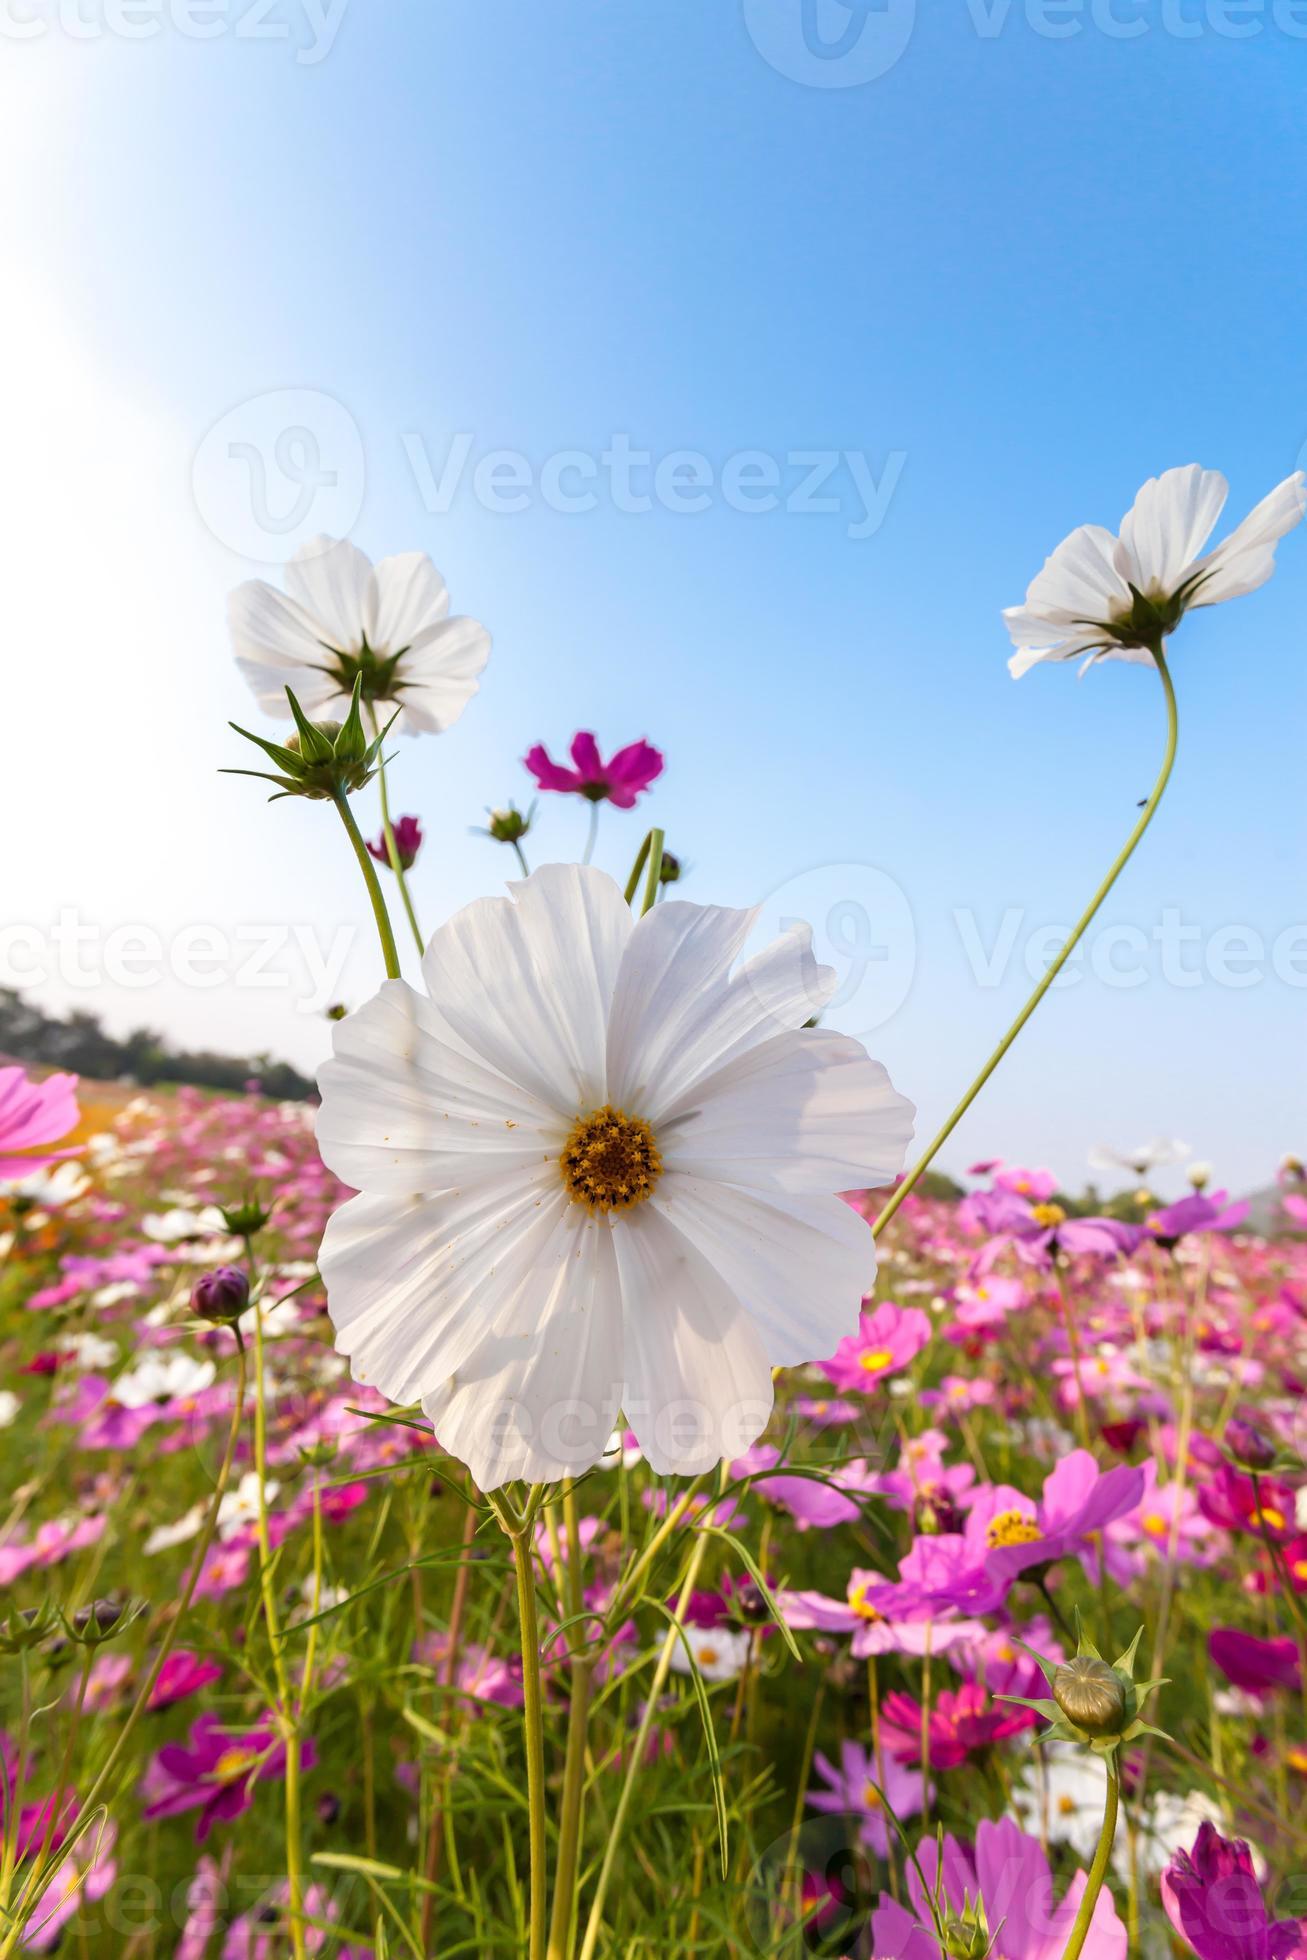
x: 1156, y: 1525
x: 1297, y: 1759
x: 858, y: 1604
x: 1047, y: 1215
x: 610, y: 1160
x: 1300, y: 1568
x: 1268, y: 1515
x: 707, y: 1656
x: 877, y: 1359
x: 233, y: 1764
x: 871, y: 1797
x: 1066, y: 1805
x: 1011, y: 1528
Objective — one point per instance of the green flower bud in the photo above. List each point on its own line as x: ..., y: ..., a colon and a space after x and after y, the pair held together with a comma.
x: 509, y: 826
x: 1095, y: 1698
x: 246, y: 1217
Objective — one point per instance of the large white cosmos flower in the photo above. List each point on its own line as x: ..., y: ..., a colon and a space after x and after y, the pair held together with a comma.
x: 598, y: 1169
x: 340, y: 617
x: 1114, y: 597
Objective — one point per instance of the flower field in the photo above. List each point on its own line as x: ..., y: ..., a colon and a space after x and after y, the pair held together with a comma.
x: 1040, y: 1417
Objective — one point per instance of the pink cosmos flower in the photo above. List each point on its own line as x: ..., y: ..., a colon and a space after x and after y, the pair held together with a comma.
x: 619, y: 781
x: 1007, y: 1883
x: 408, y: 842
x: 855, y: 1787
x: 885, y: 1343
x: 216, y: 1774
x: 33, y: 1114
x: 1213, y: 1900
x: 1256, y: 1666
x: 873, y: 1633
x: 960, y: 1722
x: 182, y: 1674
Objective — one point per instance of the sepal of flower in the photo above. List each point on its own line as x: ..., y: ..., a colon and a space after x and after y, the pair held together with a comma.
x: 1094, y: 1704
x: 322, y: 758
x: 246, y: 1217
x: 103, y: 1619
x: 24, y: 1628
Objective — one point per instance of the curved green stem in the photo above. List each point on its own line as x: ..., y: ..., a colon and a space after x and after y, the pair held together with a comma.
x: 591, y: 834
x: 392, y: 848
x: 519, y: 1530
x: 654, y: 877
x: 379, y: 912
x: 1097, y: 1871
x: 1082, y: 925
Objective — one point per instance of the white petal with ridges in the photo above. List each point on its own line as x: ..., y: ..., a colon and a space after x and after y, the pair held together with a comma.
x: 331, y: 579
x: 1169, y: 523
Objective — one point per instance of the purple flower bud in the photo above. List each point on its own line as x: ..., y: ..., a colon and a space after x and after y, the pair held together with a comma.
x: 221, y: 1295
x: 1248, y: 1444
x: 407, y: 833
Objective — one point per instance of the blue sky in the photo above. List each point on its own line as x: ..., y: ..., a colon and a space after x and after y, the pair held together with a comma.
x: 1037, y: 259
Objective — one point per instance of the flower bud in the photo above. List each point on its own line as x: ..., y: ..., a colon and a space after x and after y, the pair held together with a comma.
x: 221, y: 1295
x: 670, y: 870
x: 26, y: 1627
x: 407, y: 833
x: 337, y: 1011
x: 509, y: 826
x: 322, y: 758
x: 1095, y: 1698
x: 1249, y: 1445
x: 102, y: 1618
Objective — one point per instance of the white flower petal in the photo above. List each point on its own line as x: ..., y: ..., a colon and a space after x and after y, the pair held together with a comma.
x: 526, y: 982
x: 679, y: 1014
x: 1246, y: 559
x: 538, y: 1396
x: 332, y: 580
x: 698, y: 1383
x: 276, y: 647
x: 414, y: 1285
x: 406, y: 597
x: 403, y: 1110
x: 1081, y: 582
x: 800, y: 1266
x: 1169, y: 523
x: 439, y: 674
x: 808, y: 1111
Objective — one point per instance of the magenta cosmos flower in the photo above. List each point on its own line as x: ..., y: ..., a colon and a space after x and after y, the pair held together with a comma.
x: 886, y: 1341
x: 1003, y: 1892
x: 1213, y: 1900
x: 619, y: 781
x: 216, y: 1773
x: 408, y: 842
x: 33, y: 1114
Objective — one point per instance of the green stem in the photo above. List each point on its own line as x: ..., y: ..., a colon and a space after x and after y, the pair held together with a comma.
x: 521, y: 858
x: 591, y: 835
x: 639, y: 1748
x: 651, y: 883
x: 392, y: 848
x: 1097, y: 1871
x: 40, y: 1874
x: 1117, y: 866
x: 641, y: 857
x: 578, y: 1723
x: 519, y: 1532
x: 379, y: 912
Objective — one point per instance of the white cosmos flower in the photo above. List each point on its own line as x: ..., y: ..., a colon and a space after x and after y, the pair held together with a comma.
x: 1061, y: 1797
x: 341, y: 616
x: 162, y: 1377
x: 598, y: 1168
x: 1110, y: 597
x: 719, y: 1652
x: 1145, y: 1157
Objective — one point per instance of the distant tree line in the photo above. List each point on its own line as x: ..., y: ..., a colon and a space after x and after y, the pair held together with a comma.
x: 81, y: 1043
